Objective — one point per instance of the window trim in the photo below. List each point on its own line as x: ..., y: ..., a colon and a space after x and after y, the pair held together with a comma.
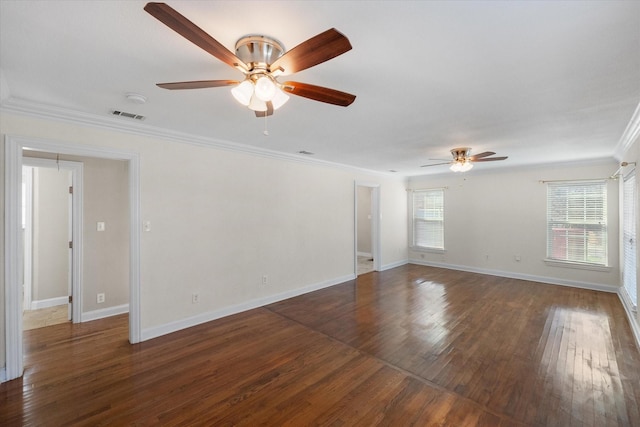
x: 556, y: 262
x: 413, y: 246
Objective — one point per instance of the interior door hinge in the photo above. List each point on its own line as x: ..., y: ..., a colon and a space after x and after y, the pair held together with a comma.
x: 70, y: 190
x: 70, y: 299
x: 70, y: 245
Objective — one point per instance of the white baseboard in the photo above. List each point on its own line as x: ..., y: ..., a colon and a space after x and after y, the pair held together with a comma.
x: 631, y: 314
x: 51, y: 302
x: 105, y: 312
x: 3, y: 374
x: 367, y: 254
x: 394, y: 265
x: 167, y: 328
x: 529, y: 277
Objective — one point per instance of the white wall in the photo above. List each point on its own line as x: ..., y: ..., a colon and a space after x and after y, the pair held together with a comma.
x: 220, y: 220
x: 492, y: 217
x: 106, y: 253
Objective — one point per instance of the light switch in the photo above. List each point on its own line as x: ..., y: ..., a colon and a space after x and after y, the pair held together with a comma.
x: 100, y: 226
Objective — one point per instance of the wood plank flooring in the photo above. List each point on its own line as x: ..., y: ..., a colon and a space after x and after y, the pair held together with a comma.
x: 410, y: 346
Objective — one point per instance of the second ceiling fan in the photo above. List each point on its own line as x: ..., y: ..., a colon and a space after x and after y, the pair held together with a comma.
x: 463, y: 160
x: 261, y: 59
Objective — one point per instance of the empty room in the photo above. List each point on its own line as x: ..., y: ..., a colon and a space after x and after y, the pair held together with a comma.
x: 296, y: 213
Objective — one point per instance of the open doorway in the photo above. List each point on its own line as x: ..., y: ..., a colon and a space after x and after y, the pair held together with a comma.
x: 367, y: 215
x: 13, y: 161
x: 48, y: 214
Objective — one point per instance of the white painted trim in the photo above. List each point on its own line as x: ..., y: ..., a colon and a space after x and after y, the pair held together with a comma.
x: 12, y: 223
x: 394, y: 265
x: 50, y: 302
x: 167, y: 328
x: 631, y: 314
x: 3, y: 374
x: 77, y: 224
x: 520, y: 276
x: 41, y: 111
x: 27, y: 278
x: 12, y: 260
x: 367, y: 254
x: 629, y: 136
x: 105, y: 312
x: 577, y: 265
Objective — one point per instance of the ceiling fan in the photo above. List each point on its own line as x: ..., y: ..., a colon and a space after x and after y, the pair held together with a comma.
x: 261, y: 59
x: 463, y: 161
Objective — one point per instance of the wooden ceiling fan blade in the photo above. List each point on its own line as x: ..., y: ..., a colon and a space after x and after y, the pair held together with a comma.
x: 199, y: 84
x: 314, y: 51
x: 436, y: 164
x: 319, y: 93
x: 196, y: 35
x: 491, y: 159
x: 481, y: 155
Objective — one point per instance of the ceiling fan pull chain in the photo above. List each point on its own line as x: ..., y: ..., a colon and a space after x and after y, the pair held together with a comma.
x: 266, y: 131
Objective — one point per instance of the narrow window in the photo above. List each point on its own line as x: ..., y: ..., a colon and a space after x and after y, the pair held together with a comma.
x: 577, y: 222
x: 428, y: 219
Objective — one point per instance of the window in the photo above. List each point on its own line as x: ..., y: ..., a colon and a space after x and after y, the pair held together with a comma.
x: 577, y: 222
x: 428, y: 219
x: 629, y: 245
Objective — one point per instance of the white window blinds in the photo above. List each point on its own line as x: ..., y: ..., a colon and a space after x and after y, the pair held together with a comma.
x: 577, y: 222
x: 428, y: 218
x: 629, y: 200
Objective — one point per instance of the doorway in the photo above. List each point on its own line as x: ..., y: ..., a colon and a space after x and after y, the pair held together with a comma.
x: 14, y: 146
x: 367, y: 228
x: 49, y: 219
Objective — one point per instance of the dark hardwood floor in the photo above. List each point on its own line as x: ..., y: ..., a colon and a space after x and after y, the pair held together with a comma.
x: 410, y: 346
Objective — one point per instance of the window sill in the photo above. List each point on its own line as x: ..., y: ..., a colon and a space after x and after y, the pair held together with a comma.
x: 429, y: 250
x: 577, y: 265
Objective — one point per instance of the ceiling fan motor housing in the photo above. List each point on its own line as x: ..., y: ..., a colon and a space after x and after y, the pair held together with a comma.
x: 460, y: 154
x: 258, y: 52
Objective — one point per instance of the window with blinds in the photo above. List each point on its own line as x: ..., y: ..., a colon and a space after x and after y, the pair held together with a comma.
x: 629, y: 245
x: 428, y: 219
x: 577, y: 222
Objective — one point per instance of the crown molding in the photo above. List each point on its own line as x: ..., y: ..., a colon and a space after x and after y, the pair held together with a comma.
x: 629, y: 136
x: 60, y: 114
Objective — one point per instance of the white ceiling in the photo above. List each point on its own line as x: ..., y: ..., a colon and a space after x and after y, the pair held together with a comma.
x: 538, y: 81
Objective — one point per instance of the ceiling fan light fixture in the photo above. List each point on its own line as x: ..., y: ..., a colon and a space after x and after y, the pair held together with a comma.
x: 466, y: 166
x: 257, y: 104
x: 265, y: 88
x: 243, y: 92
x: 461, y: 166
x: 279, y: 99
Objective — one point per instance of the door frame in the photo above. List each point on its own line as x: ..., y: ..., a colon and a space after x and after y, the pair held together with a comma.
x: 375, y: 225
x: 13, y: 160
x: 77, y: 170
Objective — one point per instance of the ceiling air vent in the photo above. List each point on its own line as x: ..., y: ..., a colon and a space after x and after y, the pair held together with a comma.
x: 128, y: 115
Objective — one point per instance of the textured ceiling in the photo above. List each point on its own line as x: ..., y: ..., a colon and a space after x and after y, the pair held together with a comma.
x: 538, y: 81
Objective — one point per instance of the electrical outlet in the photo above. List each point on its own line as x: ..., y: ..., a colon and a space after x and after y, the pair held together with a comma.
x: 100, y: 298
x: 195, y: 298
x: 265, y: 280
